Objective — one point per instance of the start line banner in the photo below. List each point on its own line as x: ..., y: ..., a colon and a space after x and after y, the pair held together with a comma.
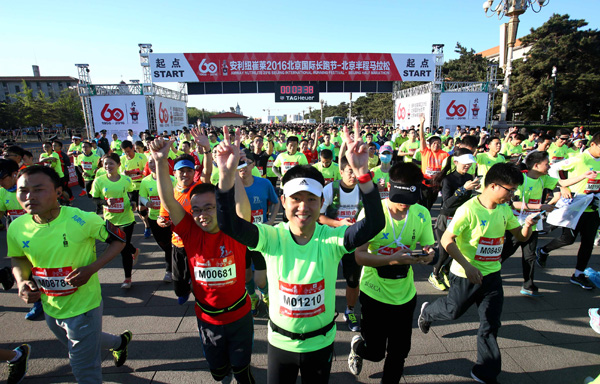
x: 209, y: 67
x: 463, y: 108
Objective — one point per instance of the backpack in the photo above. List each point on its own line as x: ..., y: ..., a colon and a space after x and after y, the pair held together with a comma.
x: 332, y: 209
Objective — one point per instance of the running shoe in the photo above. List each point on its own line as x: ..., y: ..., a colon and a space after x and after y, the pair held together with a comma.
x: 168, y: 277
x: 530, y: 293
x: 437, y: 282
x: 82, y: 193
x: 135, y: 257
x: 120, y: 355
x: 352, y: 322
x: 36, y: 311
x: 540, y: 257
x: 71, y: 198
x: 254, y: 301
x: 446, y: 279
x: 265, y: 300
x: 126, y: 284
x: 6, y: 278
x: 582, y: 281
x: 147, y: 233
x: 18, y: 369
x: 355, y: 362
x: 424, y: 325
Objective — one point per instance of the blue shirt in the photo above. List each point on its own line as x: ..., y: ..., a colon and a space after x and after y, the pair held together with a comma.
x: 260, y: 193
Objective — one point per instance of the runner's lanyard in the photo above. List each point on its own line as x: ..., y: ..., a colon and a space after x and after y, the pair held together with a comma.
x: 397, y: 240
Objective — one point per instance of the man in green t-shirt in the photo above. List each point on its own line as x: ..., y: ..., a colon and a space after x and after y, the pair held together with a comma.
x: 87, y: 163
x: 57, y: 262
x: 588, y: 163
x: 474, y: 239
x: 329, y: 169
x: 286, y: 160
x: 408, y: 148
x: 302, y: 258
x: 388, y: 296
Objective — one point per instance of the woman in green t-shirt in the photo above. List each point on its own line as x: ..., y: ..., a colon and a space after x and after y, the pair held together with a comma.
x: 112, y: 192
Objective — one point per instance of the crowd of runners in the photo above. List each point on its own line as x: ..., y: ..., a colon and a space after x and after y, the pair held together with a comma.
x: 359, y: 196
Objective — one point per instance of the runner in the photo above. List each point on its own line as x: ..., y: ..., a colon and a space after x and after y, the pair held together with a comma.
x: 388, y: 296
x: 87, y: 163
x: 432, y: 158
x: 286, y: 160
x: 218, y: 262
x: 529, y: 199
x: 184, y: 174
x: 474, y: 240
x: 381, y: 173
x: 53, y: 250
x: 302, y: 258
x: 408, y: 148
x: 341, y: 205
x: 150, y: 207
x: 589, y: 221
x: 111, y: 191
x: 329, y: 169
x: 457, y: 188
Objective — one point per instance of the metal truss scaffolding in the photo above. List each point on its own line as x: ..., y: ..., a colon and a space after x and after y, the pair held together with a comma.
x: 86, y: 90
x: 438, y: 86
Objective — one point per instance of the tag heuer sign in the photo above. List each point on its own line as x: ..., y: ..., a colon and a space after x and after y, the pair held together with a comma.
x: 296, y: 92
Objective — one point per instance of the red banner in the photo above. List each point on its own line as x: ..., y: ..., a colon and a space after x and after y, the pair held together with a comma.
x: 212, y: 67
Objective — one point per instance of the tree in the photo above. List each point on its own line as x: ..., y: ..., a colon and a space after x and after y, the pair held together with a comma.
x: 67, y: 109
x: 562, y: 43
x: 468, y: 67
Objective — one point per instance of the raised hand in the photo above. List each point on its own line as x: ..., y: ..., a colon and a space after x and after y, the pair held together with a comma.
x: 357, y: 153
x: 159, y: 148
x: 201, y: 138
x: 227, y: 154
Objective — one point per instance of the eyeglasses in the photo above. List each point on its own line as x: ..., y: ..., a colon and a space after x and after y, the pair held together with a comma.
x: 563, y: 138
x: 511, y: 191
x: 209, y: 209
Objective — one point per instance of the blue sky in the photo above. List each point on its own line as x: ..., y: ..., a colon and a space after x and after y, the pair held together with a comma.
x: 57, y: 35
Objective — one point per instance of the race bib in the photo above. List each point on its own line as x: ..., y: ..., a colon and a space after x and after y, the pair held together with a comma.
x: 384, y: 194
x: 257, y: 216
x: 347, y: 212
x: 287, y: 165
x: 432, y: 171
x: 390, y: 251
x: 14, y: 213
x: 301, y: 300
x: 489, y: 249
x: 214, y: 273
x: 269, y: 163
x: 555, y: 159
x: 154, y: 202
x: 86, y: 166
x: 261, y: 170
x: 593, y: 186
x: 51, y: 281
x: 116, y: 207
x: 135, y: 174
x: 328, y: 180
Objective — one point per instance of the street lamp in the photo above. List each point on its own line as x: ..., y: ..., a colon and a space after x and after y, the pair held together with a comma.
x: 322, y: 103
x: 512, y: 9
x: 551, y: 105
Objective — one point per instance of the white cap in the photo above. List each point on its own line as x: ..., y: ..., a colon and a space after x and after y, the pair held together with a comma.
x: 302, y: 184
x: 465, y: 159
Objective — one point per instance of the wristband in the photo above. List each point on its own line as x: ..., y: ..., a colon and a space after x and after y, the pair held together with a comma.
x: 365, y: 178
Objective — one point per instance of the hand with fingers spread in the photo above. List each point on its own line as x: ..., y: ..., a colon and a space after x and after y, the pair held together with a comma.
x: 227, y: 157
x: 201, y: 138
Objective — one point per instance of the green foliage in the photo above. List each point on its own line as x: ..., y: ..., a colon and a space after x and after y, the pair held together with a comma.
x: 468, y: 67
x: 194, y: 114
x: 575, y: 52
x: 29, y: 110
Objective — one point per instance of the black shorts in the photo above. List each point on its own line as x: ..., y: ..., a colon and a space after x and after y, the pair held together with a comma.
x: 228, y: 344
x: 351, y: 270
x: 256, y: 258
